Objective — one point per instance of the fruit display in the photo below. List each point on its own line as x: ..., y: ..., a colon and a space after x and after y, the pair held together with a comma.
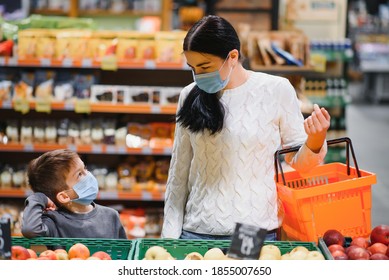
x: 51, y: 248
x: 167, y: 249
x: 76, y: 252
x: 375, y: 247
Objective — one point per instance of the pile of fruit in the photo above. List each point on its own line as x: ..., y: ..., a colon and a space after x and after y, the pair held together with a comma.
x: 360, y: 248
x: 268, y: 252
x: 76, y: 252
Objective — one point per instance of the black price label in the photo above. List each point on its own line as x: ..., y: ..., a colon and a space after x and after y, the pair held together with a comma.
x: 247, y: 242
x: 5, y: 239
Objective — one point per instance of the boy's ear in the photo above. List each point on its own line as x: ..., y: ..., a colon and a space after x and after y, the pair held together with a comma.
x: 63, y: 197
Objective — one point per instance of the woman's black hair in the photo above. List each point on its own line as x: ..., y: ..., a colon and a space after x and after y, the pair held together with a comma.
x: 202, y: 111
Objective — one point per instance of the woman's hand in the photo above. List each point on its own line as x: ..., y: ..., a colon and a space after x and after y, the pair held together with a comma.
x: 316, y: 126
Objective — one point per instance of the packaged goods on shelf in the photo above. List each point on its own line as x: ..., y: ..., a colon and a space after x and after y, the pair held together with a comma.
x: 169, y: 46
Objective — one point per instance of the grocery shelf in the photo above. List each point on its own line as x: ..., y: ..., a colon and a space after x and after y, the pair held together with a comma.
x: 90, y: 63
x: 140, y: 195
x: 102, y: 107
x: 85, y: 149
x: 283, y: 69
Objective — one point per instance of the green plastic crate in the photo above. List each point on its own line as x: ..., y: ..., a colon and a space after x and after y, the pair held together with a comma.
x: 118, y: 249
x: 179, y: 248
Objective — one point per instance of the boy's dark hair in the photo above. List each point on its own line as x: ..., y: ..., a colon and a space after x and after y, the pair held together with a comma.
x: 212, y: 35
x: 47, y: 173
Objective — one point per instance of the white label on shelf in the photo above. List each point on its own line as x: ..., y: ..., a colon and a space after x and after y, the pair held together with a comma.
x: 97, y: 149
x: 146, y: 196
x: 155, y: 109
x: 147, y: 151
x: 108, y: 195
x: 150, y: 64
x: 122, y: 150
x: 111, y: 149
x: 28, y: 148
x: 86, y: 62
x: 69, y: 106
x: 2, y: 61
x: 7, y: 104
x: 167, y: 151
x: 72, y: 147
x: 67, y: 62
x: 13, y: 61
x: 45, y: 62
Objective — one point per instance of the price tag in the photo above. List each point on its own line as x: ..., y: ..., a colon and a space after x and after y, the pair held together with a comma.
x: 43, y: 105
x: 82, y: 106
x: 109, y: 63
x: 5, y: 239
x: 247, y: 241
x: 22, y: 105
x: 319, y: 62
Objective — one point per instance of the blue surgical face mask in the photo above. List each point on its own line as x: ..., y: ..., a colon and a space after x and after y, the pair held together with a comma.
x: 212, y: 82
x: 86, y: 189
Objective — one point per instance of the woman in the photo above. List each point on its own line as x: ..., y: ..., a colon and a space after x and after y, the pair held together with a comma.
x: 230, y: 122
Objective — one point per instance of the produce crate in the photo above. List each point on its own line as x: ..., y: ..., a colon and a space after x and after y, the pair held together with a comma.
x: 118, y: 249
x: 324, y: 248
x: 179, y: 248
x: 331, y: 196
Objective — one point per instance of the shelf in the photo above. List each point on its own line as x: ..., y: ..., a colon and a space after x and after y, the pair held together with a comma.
x: 85, y: 149
x: 140, y: 195
x: 110, y: 13
x: 90, y: 63
x: 50, y: 12
x: 102, y: 107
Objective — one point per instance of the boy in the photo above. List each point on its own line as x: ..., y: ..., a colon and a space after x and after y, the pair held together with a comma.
x: 62, y: 203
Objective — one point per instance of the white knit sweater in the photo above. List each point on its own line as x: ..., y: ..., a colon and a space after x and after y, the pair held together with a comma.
x: 218, y: 180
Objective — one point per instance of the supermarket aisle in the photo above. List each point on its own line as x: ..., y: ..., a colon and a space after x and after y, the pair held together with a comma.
x: 368, y: 128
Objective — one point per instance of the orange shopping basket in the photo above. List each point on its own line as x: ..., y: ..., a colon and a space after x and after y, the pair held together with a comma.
x: 331, y: 196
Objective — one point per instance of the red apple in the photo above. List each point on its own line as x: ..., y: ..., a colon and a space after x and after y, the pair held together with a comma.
x: 332, y: 236
x: 379, y: 256
x: 50, y: 254
x: 43, y: 258
x: 33, y: 254
x: 102, y: 255
x: 79, y: 250
x: 380, y: 234
x: 339, y: 255
x: 360, y: 242
x: 336, y: 247
x: 378, y: 248
x: 19, y: 253
x: 358, y: 253
x: 350, y: 248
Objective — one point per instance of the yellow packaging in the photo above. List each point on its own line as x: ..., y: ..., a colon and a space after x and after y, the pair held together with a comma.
x: 73, y: 44
x: 169, y: 46
x: 27, y: 44
x: 127, y: 47
x: 102, y: 43
x: 46, y: 44
x: 146, y: 46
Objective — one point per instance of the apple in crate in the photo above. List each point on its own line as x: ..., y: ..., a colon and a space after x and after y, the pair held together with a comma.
x: 380, y: 234
x: 315, y: 255
x: 377, y: 248
x: 339, y: 255
x: 50, y: 254
x: 379, y: 256
x: 33, y: 254
x: 333, y: 236
x: 358, y: 253
x: 272, y: 250
x: 102, y: 255
x: 360, y: 242
x: 61, y: 254
x: 79, y: 250
x: 335, y: 247
x: 19, y: 253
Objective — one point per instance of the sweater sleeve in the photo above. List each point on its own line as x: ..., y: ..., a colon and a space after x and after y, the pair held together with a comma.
x: 293, y: 133
x: 177, y: 184
x: 33, y: 223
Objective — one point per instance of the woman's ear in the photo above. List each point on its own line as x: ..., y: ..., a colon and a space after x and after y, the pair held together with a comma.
x: 234, y: 54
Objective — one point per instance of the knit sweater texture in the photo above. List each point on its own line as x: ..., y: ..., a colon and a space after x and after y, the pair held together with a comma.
x: 218, y: 180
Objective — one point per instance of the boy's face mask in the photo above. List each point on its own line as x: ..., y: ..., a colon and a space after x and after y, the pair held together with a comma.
x: 212, y: 82
x: 86, y: 189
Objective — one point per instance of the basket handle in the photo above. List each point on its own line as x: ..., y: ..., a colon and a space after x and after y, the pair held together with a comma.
x: 349, y: 147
